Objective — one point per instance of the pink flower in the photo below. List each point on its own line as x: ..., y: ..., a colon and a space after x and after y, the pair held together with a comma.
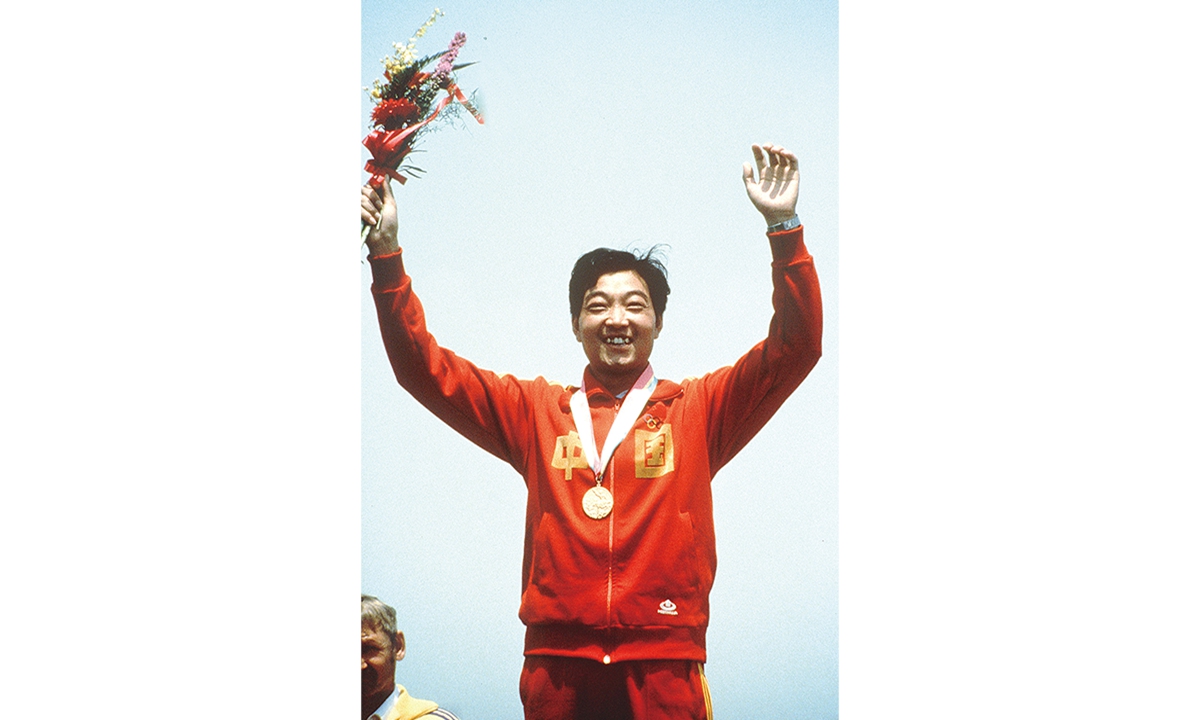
x: 446, y: 64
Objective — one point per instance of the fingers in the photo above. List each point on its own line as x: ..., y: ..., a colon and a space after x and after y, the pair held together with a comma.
x: 759, y: 159
x: 376, y: 199
x: 378, y: 210
x: 387, y: 191
x: 785, y: 161
x: 371, y: 205
x: 776, y: 190
x: 775, y: 163
x: 777, y: 159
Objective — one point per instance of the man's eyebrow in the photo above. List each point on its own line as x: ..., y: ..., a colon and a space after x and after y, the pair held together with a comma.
x: 629, y: 293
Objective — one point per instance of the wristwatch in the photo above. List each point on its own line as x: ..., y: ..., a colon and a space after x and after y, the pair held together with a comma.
x: 790, y: 224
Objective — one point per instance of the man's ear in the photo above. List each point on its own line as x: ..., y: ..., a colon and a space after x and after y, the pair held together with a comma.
x: 575, y: 327
x: 398, y: 644
x: 657, y: 325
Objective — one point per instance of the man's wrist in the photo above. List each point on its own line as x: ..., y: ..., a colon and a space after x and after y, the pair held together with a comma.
x: 382, y: 243
x: 783, y: 225
x: 374, y: 251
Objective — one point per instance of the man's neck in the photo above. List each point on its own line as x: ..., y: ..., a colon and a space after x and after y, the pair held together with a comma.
x: 616, y: 384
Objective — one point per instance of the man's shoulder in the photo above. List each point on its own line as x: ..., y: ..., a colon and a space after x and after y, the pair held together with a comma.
x: 665, y: 389
x: 542, y: 391
x: 538, y: 382
x: 408, y: 707
x: 413, y: 710
x: 555, y: 385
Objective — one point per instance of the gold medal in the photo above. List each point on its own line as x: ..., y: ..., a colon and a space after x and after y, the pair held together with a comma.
x: 597, y: 503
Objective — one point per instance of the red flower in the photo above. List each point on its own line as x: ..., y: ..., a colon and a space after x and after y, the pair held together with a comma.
x: 393, y: 114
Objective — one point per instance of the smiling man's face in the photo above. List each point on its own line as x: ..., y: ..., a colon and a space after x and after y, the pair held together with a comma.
x: 617, y: 327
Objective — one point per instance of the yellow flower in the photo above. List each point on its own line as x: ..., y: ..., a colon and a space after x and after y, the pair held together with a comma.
x: 406, y: 55
x: 429, y: 23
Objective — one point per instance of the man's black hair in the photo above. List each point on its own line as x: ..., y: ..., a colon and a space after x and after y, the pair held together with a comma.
x: 601, y: 261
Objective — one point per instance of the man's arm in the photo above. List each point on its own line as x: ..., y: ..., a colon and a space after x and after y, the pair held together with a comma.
x: 742, y: 397
x: 481, y: 405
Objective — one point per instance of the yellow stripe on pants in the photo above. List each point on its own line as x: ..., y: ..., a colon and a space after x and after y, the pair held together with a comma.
x: 704, y: 686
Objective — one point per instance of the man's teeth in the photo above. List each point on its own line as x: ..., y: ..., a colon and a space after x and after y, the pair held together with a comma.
x: 617, y: 341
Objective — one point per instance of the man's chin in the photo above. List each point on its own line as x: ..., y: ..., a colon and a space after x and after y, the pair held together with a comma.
x: 371, y: 689
x: 618, y: 377
x: 621, y: 363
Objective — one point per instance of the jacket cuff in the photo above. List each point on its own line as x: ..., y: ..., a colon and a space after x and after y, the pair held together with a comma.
x: 387, y: 271
x: 787, y: 247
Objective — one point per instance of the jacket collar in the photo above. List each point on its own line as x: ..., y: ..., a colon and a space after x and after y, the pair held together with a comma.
x: 664, y: 390
x: 407, y: 707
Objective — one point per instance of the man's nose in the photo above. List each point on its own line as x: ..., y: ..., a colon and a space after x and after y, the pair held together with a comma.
x: 617, y: 316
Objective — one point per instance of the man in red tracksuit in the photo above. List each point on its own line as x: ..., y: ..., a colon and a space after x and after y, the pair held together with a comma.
x: 619, y: 548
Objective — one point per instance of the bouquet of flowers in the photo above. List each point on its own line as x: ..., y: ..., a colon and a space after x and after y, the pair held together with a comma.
x: 407, y: 101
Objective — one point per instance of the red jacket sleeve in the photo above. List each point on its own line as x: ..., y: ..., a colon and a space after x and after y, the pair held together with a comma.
x: 742, y: 397
x: 483, y: 406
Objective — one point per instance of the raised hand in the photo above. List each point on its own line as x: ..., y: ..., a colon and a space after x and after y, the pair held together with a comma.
x: 777, y: 188
x: 379, y: 215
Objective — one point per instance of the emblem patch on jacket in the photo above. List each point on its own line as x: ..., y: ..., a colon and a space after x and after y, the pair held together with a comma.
x: 653, y: 452
x: 568, y: 454
x: 666, y: 607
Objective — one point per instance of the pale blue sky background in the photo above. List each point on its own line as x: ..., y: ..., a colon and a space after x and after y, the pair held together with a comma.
x: 182, y: 325
x: 616, y: 124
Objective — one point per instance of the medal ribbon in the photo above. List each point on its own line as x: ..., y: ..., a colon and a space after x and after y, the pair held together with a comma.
x: 631, y: 407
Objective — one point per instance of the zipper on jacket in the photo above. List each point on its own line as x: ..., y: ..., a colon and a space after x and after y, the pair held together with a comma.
x: 611, y: 516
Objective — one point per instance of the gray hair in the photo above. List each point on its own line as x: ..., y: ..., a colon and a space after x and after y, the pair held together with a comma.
x: 380, y: 615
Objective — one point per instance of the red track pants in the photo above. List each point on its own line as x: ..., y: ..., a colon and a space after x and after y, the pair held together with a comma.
x: 561, y: 688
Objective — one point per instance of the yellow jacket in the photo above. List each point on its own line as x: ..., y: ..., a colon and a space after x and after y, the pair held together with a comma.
x: 408, y: 707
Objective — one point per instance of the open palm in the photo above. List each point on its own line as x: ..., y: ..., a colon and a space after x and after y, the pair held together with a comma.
x: 775, y: 191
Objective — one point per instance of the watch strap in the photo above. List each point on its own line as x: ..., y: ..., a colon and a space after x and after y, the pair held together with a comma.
x: 790, y: 224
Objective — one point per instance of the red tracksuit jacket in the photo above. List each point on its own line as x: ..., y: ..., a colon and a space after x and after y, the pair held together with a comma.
x: 635, y: 585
